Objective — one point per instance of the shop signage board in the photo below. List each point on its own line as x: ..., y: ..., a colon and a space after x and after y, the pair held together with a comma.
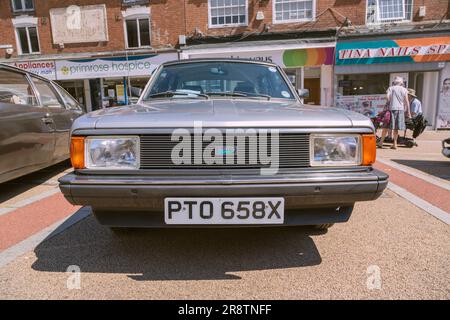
x: 393, y: 51
x: 45, y: 69
x: 291, y: 58
x: 111, y: 67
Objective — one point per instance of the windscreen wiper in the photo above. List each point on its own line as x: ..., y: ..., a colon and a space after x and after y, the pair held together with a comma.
x: 239, y: 94
x: 175, y: 93
x: 250, y: 95
x: 227, y: 93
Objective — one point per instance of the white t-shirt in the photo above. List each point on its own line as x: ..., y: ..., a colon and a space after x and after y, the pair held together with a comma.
x: 397, y: 96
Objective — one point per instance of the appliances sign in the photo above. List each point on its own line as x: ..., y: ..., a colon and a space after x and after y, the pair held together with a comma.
x: 43, y: 68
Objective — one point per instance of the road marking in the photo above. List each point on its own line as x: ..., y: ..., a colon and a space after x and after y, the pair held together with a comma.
x: 422, y: 204
x: 33, y: 241
x: 416, y: 173
x: 28, y: 201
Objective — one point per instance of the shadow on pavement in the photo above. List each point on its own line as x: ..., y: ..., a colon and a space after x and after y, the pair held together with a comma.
x: 176, y: 254
x: 440, y: 169
x: 12, y: 188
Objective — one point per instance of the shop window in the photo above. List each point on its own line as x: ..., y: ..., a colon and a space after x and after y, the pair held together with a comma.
x: 27, y: 38
x: 286, y: 11
x: 389, y: 11
x: 138, y: 32
x: 223, y: 13
x: 363, y: 84
x: 22, y: 5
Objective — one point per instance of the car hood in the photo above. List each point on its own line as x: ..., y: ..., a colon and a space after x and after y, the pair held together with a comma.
x: 219, y: 113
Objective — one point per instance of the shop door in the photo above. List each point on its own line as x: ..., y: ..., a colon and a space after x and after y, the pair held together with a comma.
x: 96, y: 95
x: 313, y: 85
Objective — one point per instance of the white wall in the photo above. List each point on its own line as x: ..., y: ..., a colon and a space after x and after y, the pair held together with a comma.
x: 430, y: 95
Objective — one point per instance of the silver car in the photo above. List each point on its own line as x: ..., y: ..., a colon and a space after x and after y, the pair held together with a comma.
x: 220, y: 142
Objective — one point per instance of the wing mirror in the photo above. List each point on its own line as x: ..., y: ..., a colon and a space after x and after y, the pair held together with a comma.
x: 303, y: 93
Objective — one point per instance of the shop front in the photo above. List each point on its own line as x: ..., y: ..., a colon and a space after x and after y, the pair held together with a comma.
x: 100, y: 82
x: 308, y: 65
x: 108, y: 81
x: 364, y: 70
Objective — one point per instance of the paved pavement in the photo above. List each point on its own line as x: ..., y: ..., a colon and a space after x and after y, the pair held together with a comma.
x: 395, y: 247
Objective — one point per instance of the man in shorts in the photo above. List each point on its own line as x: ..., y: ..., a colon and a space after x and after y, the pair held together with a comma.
x: 398, y: 102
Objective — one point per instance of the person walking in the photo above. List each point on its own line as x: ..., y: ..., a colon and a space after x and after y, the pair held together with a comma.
x: 398, y: 102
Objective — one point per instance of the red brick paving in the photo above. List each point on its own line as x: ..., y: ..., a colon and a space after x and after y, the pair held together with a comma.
x: 429, y: 192
x: 22, y: 223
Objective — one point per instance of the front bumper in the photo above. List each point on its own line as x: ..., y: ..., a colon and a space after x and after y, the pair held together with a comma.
x: 310, y: 197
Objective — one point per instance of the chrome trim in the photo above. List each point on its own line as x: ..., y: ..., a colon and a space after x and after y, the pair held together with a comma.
x: 219, y: 180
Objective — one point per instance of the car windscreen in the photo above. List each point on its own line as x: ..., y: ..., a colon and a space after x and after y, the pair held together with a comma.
x: 210, y: 79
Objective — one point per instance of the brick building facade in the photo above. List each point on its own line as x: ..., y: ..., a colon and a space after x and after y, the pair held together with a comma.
x: 98, y: 49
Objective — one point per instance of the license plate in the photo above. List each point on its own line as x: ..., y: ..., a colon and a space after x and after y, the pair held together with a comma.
x: 214, y: 211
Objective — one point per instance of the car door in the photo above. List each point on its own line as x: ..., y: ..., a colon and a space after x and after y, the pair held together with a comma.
x: 26, y: 136
x: 61, y: 117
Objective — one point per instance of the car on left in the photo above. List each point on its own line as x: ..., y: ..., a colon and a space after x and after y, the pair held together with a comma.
x: 36, y: 115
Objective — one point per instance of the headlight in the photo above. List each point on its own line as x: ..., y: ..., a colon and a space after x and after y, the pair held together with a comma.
x: 335, y: 150
x: 112, y: 152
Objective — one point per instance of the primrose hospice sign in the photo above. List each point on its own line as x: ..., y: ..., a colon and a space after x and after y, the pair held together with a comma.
x: 111, y: 66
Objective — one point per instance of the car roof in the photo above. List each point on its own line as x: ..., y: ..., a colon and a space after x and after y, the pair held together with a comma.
x: 197, y: 60
x: 7, y: 66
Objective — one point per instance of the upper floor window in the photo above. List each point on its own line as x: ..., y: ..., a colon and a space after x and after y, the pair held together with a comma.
x: 138, y: 32
x: 388, y: 11
x: 22, y: 5
x: 134, y: 2
x: 27, y: 39
x: 137, y: 27
x: 286, y: 11
x: 224, y: 13
x: 26, y: 34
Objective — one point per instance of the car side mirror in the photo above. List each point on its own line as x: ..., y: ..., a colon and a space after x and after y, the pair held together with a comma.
x: 303, y: 93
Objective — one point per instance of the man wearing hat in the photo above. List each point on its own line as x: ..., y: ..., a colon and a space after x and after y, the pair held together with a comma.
x: 398, y: 102
x: 415, y: 104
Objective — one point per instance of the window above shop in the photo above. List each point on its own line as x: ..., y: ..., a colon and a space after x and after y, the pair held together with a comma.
x: 137, y: 27
x: 27, y: 37
x: 288, y: 11
x: 388, y: 11
x: 138, y: 32
x: 134, y: 2
x: 227, y: 13
x: 20, y: 6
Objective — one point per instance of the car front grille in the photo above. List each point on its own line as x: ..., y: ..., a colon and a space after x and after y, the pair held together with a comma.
x: 156, y: 153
